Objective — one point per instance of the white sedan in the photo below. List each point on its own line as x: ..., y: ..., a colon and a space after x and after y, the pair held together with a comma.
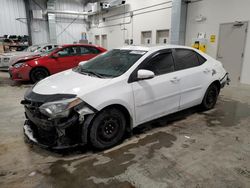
x: 7, y: 59
x: 102, y: 99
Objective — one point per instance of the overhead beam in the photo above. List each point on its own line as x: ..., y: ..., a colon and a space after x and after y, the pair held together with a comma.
x: 68, y: 12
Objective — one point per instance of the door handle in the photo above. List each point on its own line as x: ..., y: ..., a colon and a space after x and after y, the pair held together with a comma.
x: 175, y: 80
x: 206, y: 70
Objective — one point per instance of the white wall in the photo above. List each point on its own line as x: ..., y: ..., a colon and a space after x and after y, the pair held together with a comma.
x: 10, y: 10
x: 151, y: 21
x: 39, y: 28
x: 68, y: 27
x: 217, y: 12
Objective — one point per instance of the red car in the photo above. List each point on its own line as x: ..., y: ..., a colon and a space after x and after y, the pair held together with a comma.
x: 36, y: 68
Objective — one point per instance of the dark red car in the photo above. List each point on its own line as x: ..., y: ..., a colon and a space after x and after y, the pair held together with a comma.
x: 64, y: 57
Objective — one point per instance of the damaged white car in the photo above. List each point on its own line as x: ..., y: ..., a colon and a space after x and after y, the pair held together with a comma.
x: 101, y: 100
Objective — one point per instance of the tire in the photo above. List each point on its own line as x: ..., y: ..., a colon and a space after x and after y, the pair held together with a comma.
x: 107, y: 129
x: 210, y: 97
x: 38, y: 74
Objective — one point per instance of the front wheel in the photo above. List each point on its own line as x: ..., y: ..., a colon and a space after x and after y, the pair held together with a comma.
x: 210, y: 97
x: 107, y: 129
x: 38, y: 74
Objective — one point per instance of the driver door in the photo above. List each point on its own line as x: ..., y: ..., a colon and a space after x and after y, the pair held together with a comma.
x: 160, y: 95
x: 67, y: 58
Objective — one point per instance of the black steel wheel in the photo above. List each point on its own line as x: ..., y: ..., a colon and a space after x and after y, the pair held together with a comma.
x: 210, y: 97
x: 38, y: 74
x: 107, y: 128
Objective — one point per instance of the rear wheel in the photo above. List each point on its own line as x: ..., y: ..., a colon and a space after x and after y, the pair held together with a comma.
x: 107, y: 128
x: 38, y: 74
x: 210, y: 97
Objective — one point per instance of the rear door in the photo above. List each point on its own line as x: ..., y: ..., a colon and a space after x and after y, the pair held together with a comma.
x: 160, y: 95
x: 67, y: 58
x: 194, y: 75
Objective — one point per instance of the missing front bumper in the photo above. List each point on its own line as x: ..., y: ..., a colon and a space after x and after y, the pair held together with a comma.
x: 29, y: 134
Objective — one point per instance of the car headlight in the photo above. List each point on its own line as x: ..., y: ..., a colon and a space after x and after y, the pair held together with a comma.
x: 59, y: 109
x: 17, y: 65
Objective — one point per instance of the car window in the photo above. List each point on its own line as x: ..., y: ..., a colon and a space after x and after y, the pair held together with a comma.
x: 161, y: 64
x: 201, y: 59
x: 83, y: 50
x: 93, y: 50
x: 49, y: 47
x: 88, y: 50
x: 68, y: 51
x: 186, y: 58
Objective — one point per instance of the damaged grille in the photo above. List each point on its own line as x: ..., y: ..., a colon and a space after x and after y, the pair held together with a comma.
x: 52, y: 132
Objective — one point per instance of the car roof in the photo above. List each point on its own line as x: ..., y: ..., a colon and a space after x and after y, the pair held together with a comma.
x: 68, y: 45
x: 153, y: 48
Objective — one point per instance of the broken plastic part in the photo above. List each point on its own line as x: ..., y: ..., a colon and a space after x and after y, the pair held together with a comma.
x: 82, y: 112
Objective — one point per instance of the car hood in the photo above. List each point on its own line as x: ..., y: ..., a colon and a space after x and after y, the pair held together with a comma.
x: 12, y: 54
x: 24, y: 58
x: 69, y: 82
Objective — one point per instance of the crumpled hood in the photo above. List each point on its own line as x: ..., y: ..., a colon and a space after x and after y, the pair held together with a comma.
x: 24, y: 58
x: 69, y: 82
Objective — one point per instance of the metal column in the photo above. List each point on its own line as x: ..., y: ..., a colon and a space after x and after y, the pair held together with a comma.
x: 28, y: 18
x: 52, y: 21
x: 178, y: 22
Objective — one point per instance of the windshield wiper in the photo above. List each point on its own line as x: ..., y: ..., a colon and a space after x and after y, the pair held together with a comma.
x: 91, y: 72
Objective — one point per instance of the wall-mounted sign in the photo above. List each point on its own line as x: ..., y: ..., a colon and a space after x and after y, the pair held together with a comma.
x: 212, y: 38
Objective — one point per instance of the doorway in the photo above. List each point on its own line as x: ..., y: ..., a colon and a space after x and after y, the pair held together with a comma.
x: 231, y: 47
x: 104, y: 41
x: 97, y: 40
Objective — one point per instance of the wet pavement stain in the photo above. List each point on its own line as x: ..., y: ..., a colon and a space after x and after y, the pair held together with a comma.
x: 227, y: 113
x: 243, y: 172
x: 84, y: 174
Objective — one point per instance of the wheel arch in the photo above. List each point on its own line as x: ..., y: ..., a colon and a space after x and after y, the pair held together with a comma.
x: 89, y: 119
x: 216, y: 82
x: 33, y: 68
x: 125, y: 111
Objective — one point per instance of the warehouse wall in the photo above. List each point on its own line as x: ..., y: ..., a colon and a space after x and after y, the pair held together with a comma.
x: 150, y: 19
x: 39, y: 27
x: 10, y: 10
x: 68, y: 27
x: 217, y: 12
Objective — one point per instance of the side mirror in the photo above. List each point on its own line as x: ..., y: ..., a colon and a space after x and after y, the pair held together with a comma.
x: 55, y: 55
x: 143, y: 74
x: 82, y: 62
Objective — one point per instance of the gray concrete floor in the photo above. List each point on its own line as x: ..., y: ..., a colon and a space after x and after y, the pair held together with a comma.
x: 199, y: 149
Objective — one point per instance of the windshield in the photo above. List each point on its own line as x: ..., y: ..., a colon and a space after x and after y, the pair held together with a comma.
x: 48, y: 52
x: 32, y: 48
x: 111, y: 64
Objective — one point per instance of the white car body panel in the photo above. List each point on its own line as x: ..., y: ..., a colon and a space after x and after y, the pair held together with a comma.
x: 145, y: 100
x: 151, y: 94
